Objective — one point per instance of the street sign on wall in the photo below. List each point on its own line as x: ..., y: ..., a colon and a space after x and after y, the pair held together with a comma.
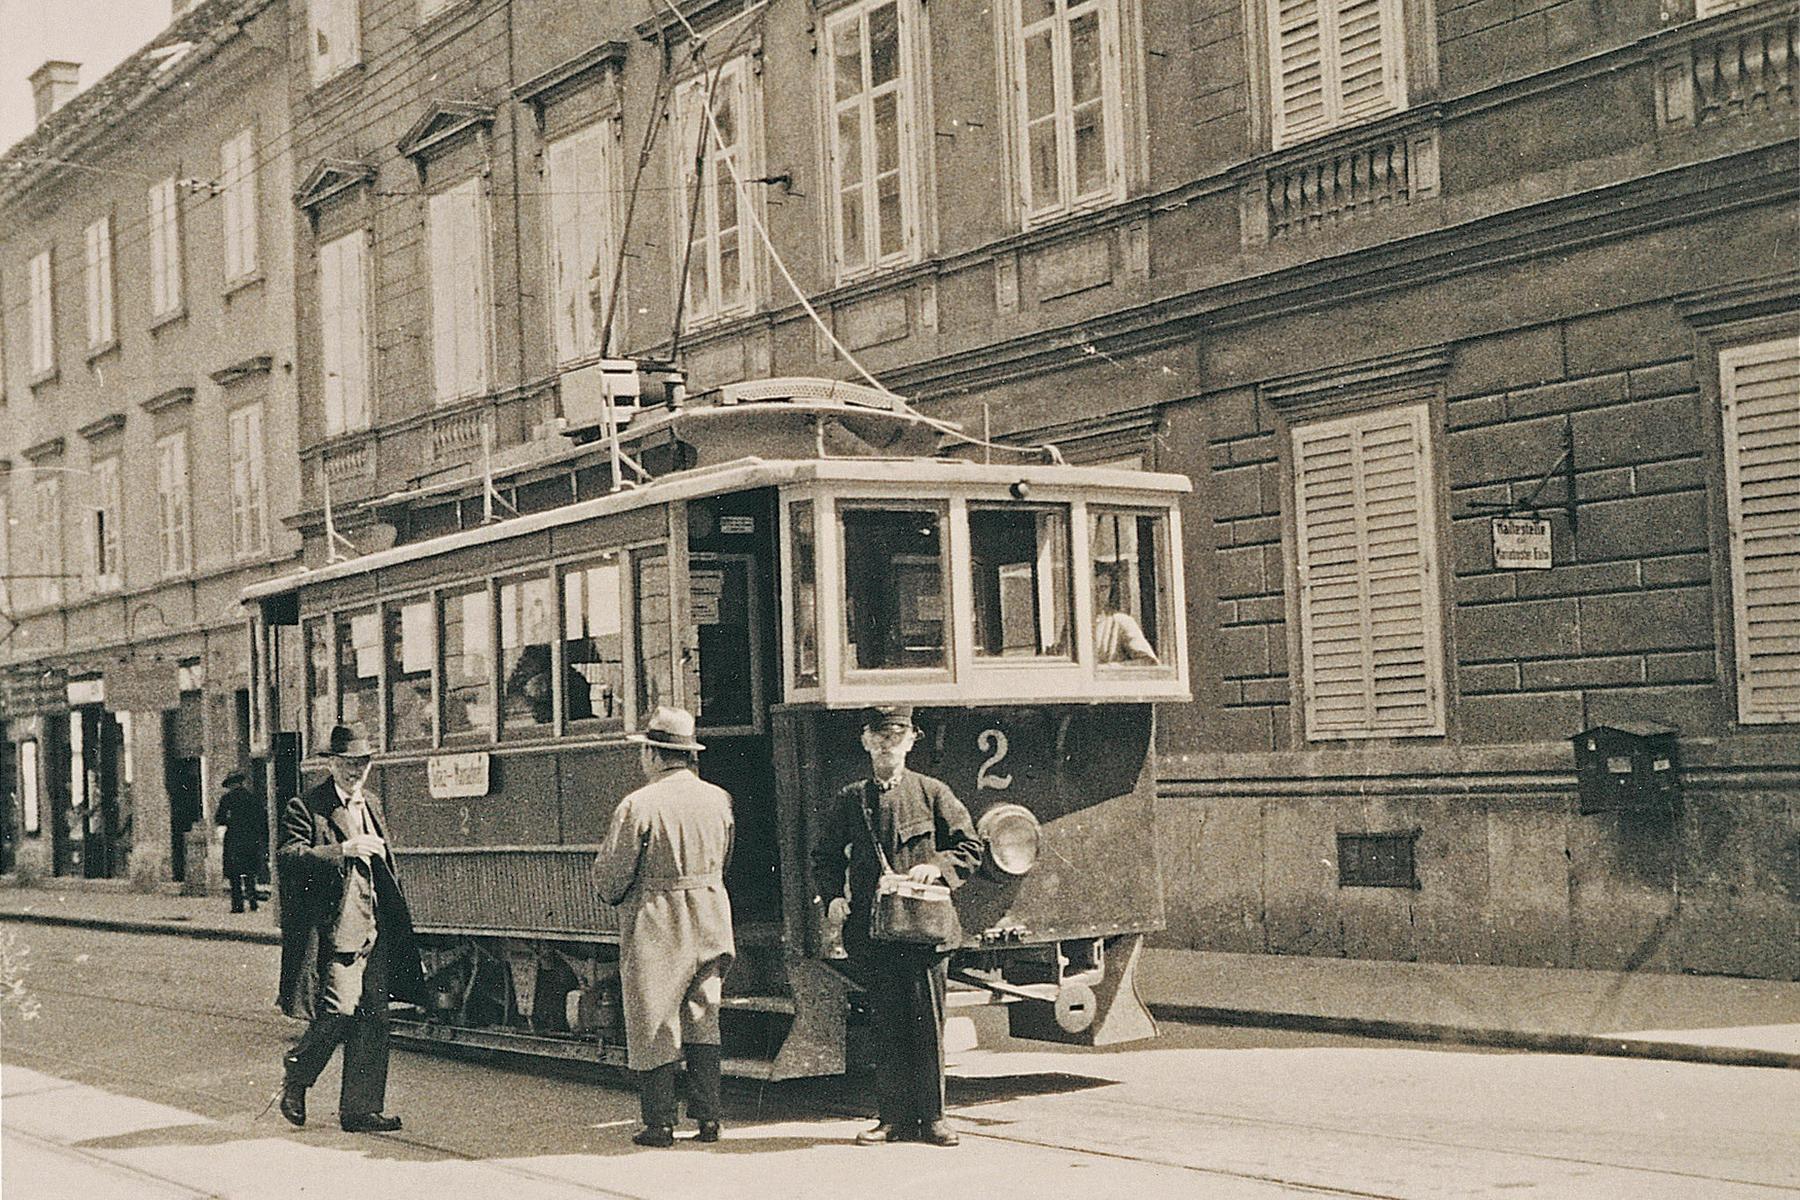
x: 1521, y: 544
x: 34, y: 690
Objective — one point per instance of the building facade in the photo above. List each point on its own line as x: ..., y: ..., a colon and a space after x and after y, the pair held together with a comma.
x: 146, y: 369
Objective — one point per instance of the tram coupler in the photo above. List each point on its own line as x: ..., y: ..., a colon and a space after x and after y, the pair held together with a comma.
x: 1094, y: 999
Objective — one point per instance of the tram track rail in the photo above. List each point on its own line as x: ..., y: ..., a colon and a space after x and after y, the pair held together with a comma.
x: 96, y: 1072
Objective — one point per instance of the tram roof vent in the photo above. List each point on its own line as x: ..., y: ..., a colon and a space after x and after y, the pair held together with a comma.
x: 809, y: 390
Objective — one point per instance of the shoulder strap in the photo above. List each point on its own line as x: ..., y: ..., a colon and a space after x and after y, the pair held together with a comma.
x: 887, y: 868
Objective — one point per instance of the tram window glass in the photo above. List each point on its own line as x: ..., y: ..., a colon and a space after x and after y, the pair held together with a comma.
x: 655, y: 650
x: 525, y: 636
x: 466, y: 624
x: 320, y: 706
x: 719, y: 605
x: 409, y: 655
x: 806, y: 595
x: 593, y: 643
x: 895, y: 613
x: 1020, y: 560
x: 359, y: 669
x: 1130, y: 586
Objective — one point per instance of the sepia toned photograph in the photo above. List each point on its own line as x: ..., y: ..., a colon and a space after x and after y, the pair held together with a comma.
x: 1032, y: 599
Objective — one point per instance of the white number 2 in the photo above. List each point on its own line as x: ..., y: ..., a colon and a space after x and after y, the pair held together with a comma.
x: 994, y: 740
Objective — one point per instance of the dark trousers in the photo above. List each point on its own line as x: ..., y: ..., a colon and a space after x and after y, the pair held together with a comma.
x: 906, y: 1012
x: 243, y: 887
x: 364, y: 1036
x: 656, y: 1088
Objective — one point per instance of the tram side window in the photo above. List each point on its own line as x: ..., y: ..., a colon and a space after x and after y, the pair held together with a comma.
x: 806, y: 595
x: 359, y: 669
x: 320, y: 706
x: 466, y: 623
x: 1020, y: 560
x: 525, y: 632
x: 894, y: 607
x: 593, y: 643
x: 409, y: 654
x: 1130, y: 586
x: 655, y: 650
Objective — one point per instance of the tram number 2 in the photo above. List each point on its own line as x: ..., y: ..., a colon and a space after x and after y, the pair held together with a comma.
x: 993, y: 743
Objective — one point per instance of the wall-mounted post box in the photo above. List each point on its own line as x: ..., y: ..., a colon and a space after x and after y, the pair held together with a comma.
x: 1630, y: 766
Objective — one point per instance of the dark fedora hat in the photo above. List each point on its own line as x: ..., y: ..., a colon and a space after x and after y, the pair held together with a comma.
x: 889, y: 718
x: 668, y: 729
x: 236, y: 776
x: 346, y: 741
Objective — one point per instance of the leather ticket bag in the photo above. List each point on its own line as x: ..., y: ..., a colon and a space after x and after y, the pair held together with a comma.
x: 904, y: 909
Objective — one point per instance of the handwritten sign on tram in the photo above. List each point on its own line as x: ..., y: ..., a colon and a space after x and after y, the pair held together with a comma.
x: 1521, y: 544
x: 453, y: 776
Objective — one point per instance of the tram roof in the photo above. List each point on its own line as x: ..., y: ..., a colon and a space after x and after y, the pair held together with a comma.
x: 741, y: 475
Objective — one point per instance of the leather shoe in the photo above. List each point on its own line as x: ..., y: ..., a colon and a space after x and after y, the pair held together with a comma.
x: 655, y: 1135
x: 884, y: 1132
x: 709, y: 1131
x: 938, y: 1133
x: 368, y: 1123
x: 293, y: 1103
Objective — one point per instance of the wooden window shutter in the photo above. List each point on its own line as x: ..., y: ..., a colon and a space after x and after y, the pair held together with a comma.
x: 1369, y: 621
x: 1332, y: 63
x: 1760, y: 395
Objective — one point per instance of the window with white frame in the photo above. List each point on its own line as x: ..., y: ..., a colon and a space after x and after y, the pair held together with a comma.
x: 99, y: 279
x: 1334, y: 63
x: 237, y: 175
x: 43, y: 316
x: 344, y: 332
x: 1068, y: 104
x: 334, y: 36
x: 1759, y: 391
x: 1370, y: 629
x: 872, y: 77
x: 46, y: 561
x: 457, y: 223
x: 105, y: 571
x: 165, y: 249
x: 580, y: 177
x: 714, y: 230
x: 175, y: 532
x: 249, y: 516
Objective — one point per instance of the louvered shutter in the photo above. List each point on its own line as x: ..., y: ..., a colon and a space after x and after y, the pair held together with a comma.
x: 441, y: 218
x: 1366, y: 75
x: 1371, y: 645
x: 472, y: 303
x: 1334, y: 62
x: 1760, y: 392
x: 1298, y: 69
x: 566, y: 179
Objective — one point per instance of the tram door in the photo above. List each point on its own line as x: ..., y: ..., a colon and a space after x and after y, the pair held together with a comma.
x: 729, y: 573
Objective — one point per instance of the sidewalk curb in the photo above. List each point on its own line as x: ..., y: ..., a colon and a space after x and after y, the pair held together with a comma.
x: 265, y: 937
x: 1191, y: 1014
x: 1459, y: 1035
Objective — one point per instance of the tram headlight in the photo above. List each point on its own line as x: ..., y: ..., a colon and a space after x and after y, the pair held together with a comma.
x: 1012, y: 835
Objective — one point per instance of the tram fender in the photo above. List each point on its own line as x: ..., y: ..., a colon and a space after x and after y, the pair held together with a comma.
x: 1119, y: 1014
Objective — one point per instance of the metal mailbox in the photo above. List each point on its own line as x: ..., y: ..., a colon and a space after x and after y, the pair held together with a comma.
x: 1630, y: 766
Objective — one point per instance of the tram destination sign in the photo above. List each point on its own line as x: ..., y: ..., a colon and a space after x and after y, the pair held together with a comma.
x: 457, y: 776
x: 1521, y: 544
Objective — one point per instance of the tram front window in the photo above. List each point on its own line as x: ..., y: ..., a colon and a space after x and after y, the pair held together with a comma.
x: 467, y: 639
x: 593, y: 643
x: 1130, y: 586
x: 525, y: 653
x: 409, y: 673
x: 895, y: 610
x: 359, y: 668
x: 1020, y: 561
x: 655, y: 642
x: 321, y: 705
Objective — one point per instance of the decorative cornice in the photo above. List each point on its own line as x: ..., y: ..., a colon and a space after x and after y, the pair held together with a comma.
x: 1348, y: 385
x: 698, y: 13
x: 175, y: 397
x: 48, y: 448
x: 1741, y: 301
x: 537, y: 93
x: 442, y: 123
x: 111, y: 423
x: 256, y: 364
x: 329, y: 178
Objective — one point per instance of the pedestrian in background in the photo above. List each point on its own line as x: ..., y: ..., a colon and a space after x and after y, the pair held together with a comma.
x: 346, y: 938
x: 663, y: 865
x: 244, y: 826
x: 927, y: 835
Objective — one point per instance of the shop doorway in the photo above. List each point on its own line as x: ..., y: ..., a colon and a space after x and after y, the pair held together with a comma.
x: 182, y: 773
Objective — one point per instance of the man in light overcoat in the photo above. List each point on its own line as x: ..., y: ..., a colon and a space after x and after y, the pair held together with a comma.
x: 346, y: 938
x: 663, y: 865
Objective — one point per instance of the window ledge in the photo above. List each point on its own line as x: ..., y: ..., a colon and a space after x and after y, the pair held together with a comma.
x: 445, y: 24
x: 234, y: 286
x: 339, y: 78
x: 101, y: 350
x: 158, y: 324
x: 41, y: 378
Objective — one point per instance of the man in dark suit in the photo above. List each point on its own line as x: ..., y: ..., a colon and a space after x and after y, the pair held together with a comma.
x: 346, y: 938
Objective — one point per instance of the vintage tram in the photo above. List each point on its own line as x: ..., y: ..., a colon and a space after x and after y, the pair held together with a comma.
x: 774, y: 556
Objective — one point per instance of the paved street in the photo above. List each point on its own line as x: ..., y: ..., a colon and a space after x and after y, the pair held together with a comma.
x: 145, y: 1071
